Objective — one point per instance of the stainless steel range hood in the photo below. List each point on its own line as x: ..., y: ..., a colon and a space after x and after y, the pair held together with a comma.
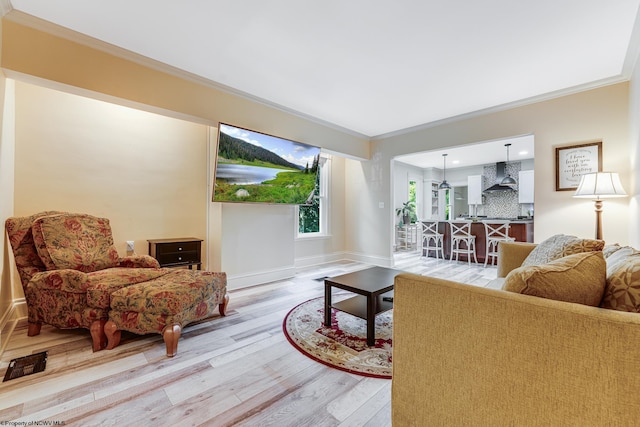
x: 501, y: 168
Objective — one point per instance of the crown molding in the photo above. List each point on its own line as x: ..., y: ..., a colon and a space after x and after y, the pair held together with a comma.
x: 508, y: 106
x: 633, y: 53
x: 633, y: 50
x: 85, y: 40
x: 5, y: 7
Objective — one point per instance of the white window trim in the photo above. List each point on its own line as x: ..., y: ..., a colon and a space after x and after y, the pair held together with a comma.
x: 325, y: 208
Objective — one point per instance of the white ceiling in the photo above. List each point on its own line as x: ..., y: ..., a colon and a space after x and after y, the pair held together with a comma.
x: 373, y: 67
x: 482, y: 153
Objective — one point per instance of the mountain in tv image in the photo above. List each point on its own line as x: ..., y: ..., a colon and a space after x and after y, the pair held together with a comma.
x: 259, y: 168
x: 234, y: 149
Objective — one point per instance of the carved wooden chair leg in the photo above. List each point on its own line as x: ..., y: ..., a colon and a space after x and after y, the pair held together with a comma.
x: 97, y: 335
x: 171, y: 334
x: 223, y: 305
x: 113, y: 334
x: 34, y: 329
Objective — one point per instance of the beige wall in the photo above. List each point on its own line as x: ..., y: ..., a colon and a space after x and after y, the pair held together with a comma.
x: 145, y: 172
x: 6, y: 199
x: 596, y: 114
x: 7, y: 146
x: 634, y: 156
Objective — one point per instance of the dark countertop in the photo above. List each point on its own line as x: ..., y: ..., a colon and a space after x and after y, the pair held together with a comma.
x: 513, y: 220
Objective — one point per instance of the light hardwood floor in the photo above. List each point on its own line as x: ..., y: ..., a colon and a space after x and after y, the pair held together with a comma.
x: 234, y: 370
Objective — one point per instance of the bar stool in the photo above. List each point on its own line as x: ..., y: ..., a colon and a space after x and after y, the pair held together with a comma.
x: 496, y: 232
x: 431, y: 239
x: 462, y: 241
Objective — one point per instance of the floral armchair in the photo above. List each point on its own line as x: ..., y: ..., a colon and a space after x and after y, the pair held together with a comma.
x: 69, y: 267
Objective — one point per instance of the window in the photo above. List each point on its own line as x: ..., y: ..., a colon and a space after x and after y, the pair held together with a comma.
x: 312, y: 219
x: 447, y: 206
x: 412, y: 198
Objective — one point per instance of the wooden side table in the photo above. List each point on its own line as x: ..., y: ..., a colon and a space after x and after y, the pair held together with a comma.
x: 178, y: 252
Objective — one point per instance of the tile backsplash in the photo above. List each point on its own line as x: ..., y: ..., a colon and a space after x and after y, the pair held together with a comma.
x: 502, y: 204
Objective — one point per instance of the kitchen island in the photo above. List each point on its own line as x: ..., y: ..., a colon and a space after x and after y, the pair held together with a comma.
x: 520, y: 229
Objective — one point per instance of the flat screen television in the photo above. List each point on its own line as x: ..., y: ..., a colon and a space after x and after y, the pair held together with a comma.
x: 253, y: 167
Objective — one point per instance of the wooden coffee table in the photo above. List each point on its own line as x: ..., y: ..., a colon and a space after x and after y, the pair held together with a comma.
x: 373, y: 285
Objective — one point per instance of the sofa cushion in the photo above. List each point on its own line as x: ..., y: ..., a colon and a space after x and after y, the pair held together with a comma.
x: 622, y: 290
x: 578, y: 278
x: 101, y: 284
x: 558, y: 246
x: 75, y: 241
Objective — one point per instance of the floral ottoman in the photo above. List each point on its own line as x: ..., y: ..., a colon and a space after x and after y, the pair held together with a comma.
x: 166, y: 304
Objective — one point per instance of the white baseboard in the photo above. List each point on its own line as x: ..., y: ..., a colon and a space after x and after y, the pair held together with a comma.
x: 320, y: 259
x: 369, y: 259
x: 257, y: 278
x: 239, y: 281
x: 339, y: 256
x: 8, y: 320
x: 20, y: 308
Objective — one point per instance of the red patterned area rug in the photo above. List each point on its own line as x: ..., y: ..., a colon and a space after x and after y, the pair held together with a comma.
x: 343, y: 345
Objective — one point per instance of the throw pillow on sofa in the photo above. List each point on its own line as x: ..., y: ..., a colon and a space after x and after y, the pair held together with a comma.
x: 558, y: 246
x: 578, y: 278
x: 617, y: 257
x: 610, y: 249
x: 622, y: 290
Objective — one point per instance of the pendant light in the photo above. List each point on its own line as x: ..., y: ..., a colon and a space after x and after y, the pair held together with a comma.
x: 507, y: 180
x: 444, y: 185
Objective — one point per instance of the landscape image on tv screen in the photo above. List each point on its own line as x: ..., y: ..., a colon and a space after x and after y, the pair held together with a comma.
x: 254, y: 167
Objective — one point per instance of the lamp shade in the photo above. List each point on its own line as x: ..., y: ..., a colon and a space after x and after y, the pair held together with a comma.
x: 507, y: 180
x: 600, y: 185
x: 444, y: 185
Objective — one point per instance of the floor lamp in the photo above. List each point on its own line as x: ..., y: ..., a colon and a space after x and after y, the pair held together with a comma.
x: 598, y: 186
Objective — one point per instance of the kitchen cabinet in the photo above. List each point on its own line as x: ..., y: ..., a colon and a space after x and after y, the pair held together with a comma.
x: 434, y: 200
x: 474, y: 189
x: 525, y: 186
x: 431, y: 197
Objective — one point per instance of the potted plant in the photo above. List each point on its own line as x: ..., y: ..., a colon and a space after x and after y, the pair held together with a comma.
x: 406, y: 212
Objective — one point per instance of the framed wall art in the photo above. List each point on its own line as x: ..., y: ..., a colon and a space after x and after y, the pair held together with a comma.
x: 572, y: 161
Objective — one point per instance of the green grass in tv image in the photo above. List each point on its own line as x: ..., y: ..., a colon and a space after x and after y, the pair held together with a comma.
x: 288, y: 187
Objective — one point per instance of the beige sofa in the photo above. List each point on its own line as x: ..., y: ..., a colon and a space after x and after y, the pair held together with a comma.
x: 466, y: 355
